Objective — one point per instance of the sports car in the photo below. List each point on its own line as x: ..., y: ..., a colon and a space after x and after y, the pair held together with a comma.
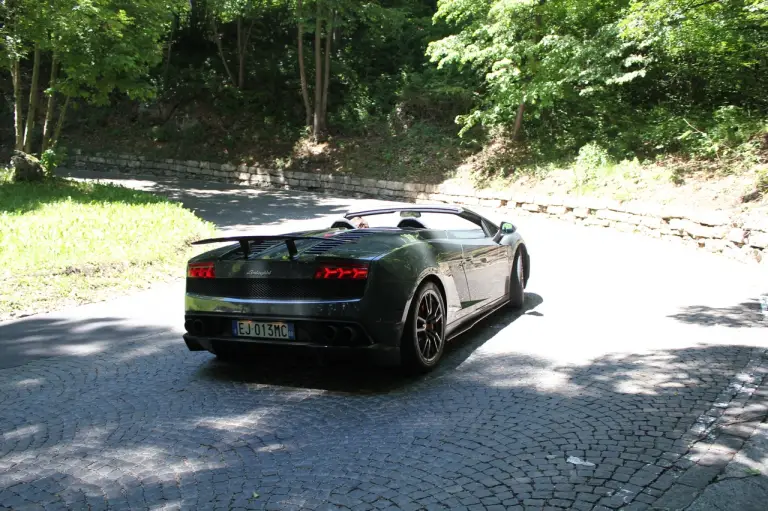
x: 394, y: 283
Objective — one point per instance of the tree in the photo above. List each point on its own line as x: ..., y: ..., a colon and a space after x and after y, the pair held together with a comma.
x: 96, y: 47
x: 331, y: 16
x: 722, y: 46
x: 316, y: 113
x: 242, y: 14
x: 326, y: 14
x: 24, y: 28
x: 302, y: 72
x: 533, y: 52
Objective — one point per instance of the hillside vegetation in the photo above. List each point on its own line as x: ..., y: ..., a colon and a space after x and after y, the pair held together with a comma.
x: 653, y: 99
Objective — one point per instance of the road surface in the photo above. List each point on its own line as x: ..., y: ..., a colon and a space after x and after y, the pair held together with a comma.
x: 587, y: 398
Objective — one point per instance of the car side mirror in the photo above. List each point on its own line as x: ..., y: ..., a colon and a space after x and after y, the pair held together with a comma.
x: 507, y: 228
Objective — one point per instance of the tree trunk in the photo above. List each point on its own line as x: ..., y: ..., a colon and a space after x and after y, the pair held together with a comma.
x: 327, y: 70
x: 33, y: 99
x: 170, y: 47
x: 518, y: 121
x: 302, y: 72
x: 240, y: 54
x: 521, y: 108
x: 319, y: 128
x: 60, y: 124
x: 51, y: 105
x: 243, y: 51
x: 221, y: 51
x: 18, y: 105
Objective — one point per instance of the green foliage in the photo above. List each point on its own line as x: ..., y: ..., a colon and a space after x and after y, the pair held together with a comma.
x: 590, y: 163
x: 638, y: 78
x: 592, y: 156
x: 641, y: 77
x: 728, y: 129
x: 111, y: 45
x: 51, y: 159
x: 539, y: 53
x: 761, y: 183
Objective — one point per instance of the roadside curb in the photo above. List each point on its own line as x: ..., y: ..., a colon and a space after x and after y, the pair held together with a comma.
x: 716, y: 437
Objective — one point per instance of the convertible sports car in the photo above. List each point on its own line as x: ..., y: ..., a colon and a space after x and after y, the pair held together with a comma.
x: 395, y: 283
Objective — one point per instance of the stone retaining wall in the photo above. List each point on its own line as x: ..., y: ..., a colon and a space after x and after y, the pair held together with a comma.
x: 740, y: 236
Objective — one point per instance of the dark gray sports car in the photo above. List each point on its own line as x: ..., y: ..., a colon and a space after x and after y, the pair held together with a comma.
x: 394, y: 283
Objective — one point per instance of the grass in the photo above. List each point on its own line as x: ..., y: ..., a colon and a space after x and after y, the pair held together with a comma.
x: 65, y: 242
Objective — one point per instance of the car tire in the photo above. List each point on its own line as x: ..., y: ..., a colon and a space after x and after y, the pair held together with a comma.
x: 517, y: 282
x: 423, y: 341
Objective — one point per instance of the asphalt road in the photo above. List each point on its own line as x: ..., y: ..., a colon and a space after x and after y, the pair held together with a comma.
x: 624, y: 343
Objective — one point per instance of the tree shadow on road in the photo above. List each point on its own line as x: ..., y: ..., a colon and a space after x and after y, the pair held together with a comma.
x: 42, y: 337
x: 747, y: 314
x: 232, y: 206
x: 141, y: 422
x: 158, y: 430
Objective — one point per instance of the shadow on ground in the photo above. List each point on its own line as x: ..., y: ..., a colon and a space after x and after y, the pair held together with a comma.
x: 179, y: 430
x: 19, y: 198
x: 353, y: 376
x: 43, y: 337
x: 747, y: 314
x: 230, y: 206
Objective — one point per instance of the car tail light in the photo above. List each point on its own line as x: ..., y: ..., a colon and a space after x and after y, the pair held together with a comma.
x: 334, y: 272
x: 201, y: 271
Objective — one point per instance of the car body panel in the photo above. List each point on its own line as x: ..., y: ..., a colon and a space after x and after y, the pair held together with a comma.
x: 276, y: 284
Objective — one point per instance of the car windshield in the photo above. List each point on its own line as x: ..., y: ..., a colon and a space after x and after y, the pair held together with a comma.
x: 447, y: 221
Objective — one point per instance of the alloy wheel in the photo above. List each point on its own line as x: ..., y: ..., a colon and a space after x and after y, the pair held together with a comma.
x: 429, y: 326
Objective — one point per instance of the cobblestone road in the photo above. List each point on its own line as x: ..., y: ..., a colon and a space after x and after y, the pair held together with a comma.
x: 589, y: 398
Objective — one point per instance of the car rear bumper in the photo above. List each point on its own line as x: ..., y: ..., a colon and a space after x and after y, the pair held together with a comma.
x: 338, y: 325
x: 376, y: 353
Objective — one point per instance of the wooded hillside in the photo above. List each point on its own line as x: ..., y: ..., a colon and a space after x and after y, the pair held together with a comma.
x: 413, y: 87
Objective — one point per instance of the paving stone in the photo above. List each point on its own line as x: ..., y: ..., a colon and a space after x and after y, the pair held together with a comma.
x: 677, y: 497
x: 699, y: 476
x: 146, y: 424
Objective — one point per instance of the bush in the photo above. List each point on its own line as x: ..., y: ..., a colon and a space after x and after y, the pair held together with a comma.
x: 727, y: 129
x: 590, y: 163
x: 51, y: 159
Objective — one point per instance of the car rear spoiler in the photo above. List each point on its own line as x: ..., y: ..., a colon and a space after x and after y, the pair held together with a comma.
x: 245, y: 241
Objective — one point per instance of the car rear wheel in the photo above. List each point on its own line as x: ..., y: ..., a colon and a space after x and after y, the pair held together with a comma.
x: 517, y: 282
x: 423, y: 339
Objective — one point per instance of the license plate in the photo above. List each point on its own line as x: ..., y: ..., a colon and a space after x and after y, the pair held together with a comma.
x: 262, y: 330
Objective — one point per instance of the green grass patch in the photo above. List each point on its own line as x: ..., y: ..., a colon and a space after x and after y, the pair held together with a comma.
x: 65, y: 242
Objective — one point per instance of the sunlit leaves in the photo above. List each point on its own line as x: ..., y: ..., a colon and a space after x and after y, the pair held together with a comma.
x: 531, y: 51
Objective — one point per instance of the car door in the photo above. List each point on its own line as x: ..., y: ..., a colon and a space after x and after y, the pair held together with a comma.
x: 450, y: 257
x: 486, y: 266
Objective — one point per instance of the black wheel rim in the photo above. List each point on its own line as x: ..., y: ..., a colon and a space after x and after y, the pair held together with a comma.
x: 429, y: 326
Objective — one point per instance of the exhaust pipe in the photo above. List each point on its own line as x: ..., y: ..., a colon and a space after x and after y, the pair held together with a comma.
x: 348, y: 335
x: 198, y: 328
x: 330, y: 333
